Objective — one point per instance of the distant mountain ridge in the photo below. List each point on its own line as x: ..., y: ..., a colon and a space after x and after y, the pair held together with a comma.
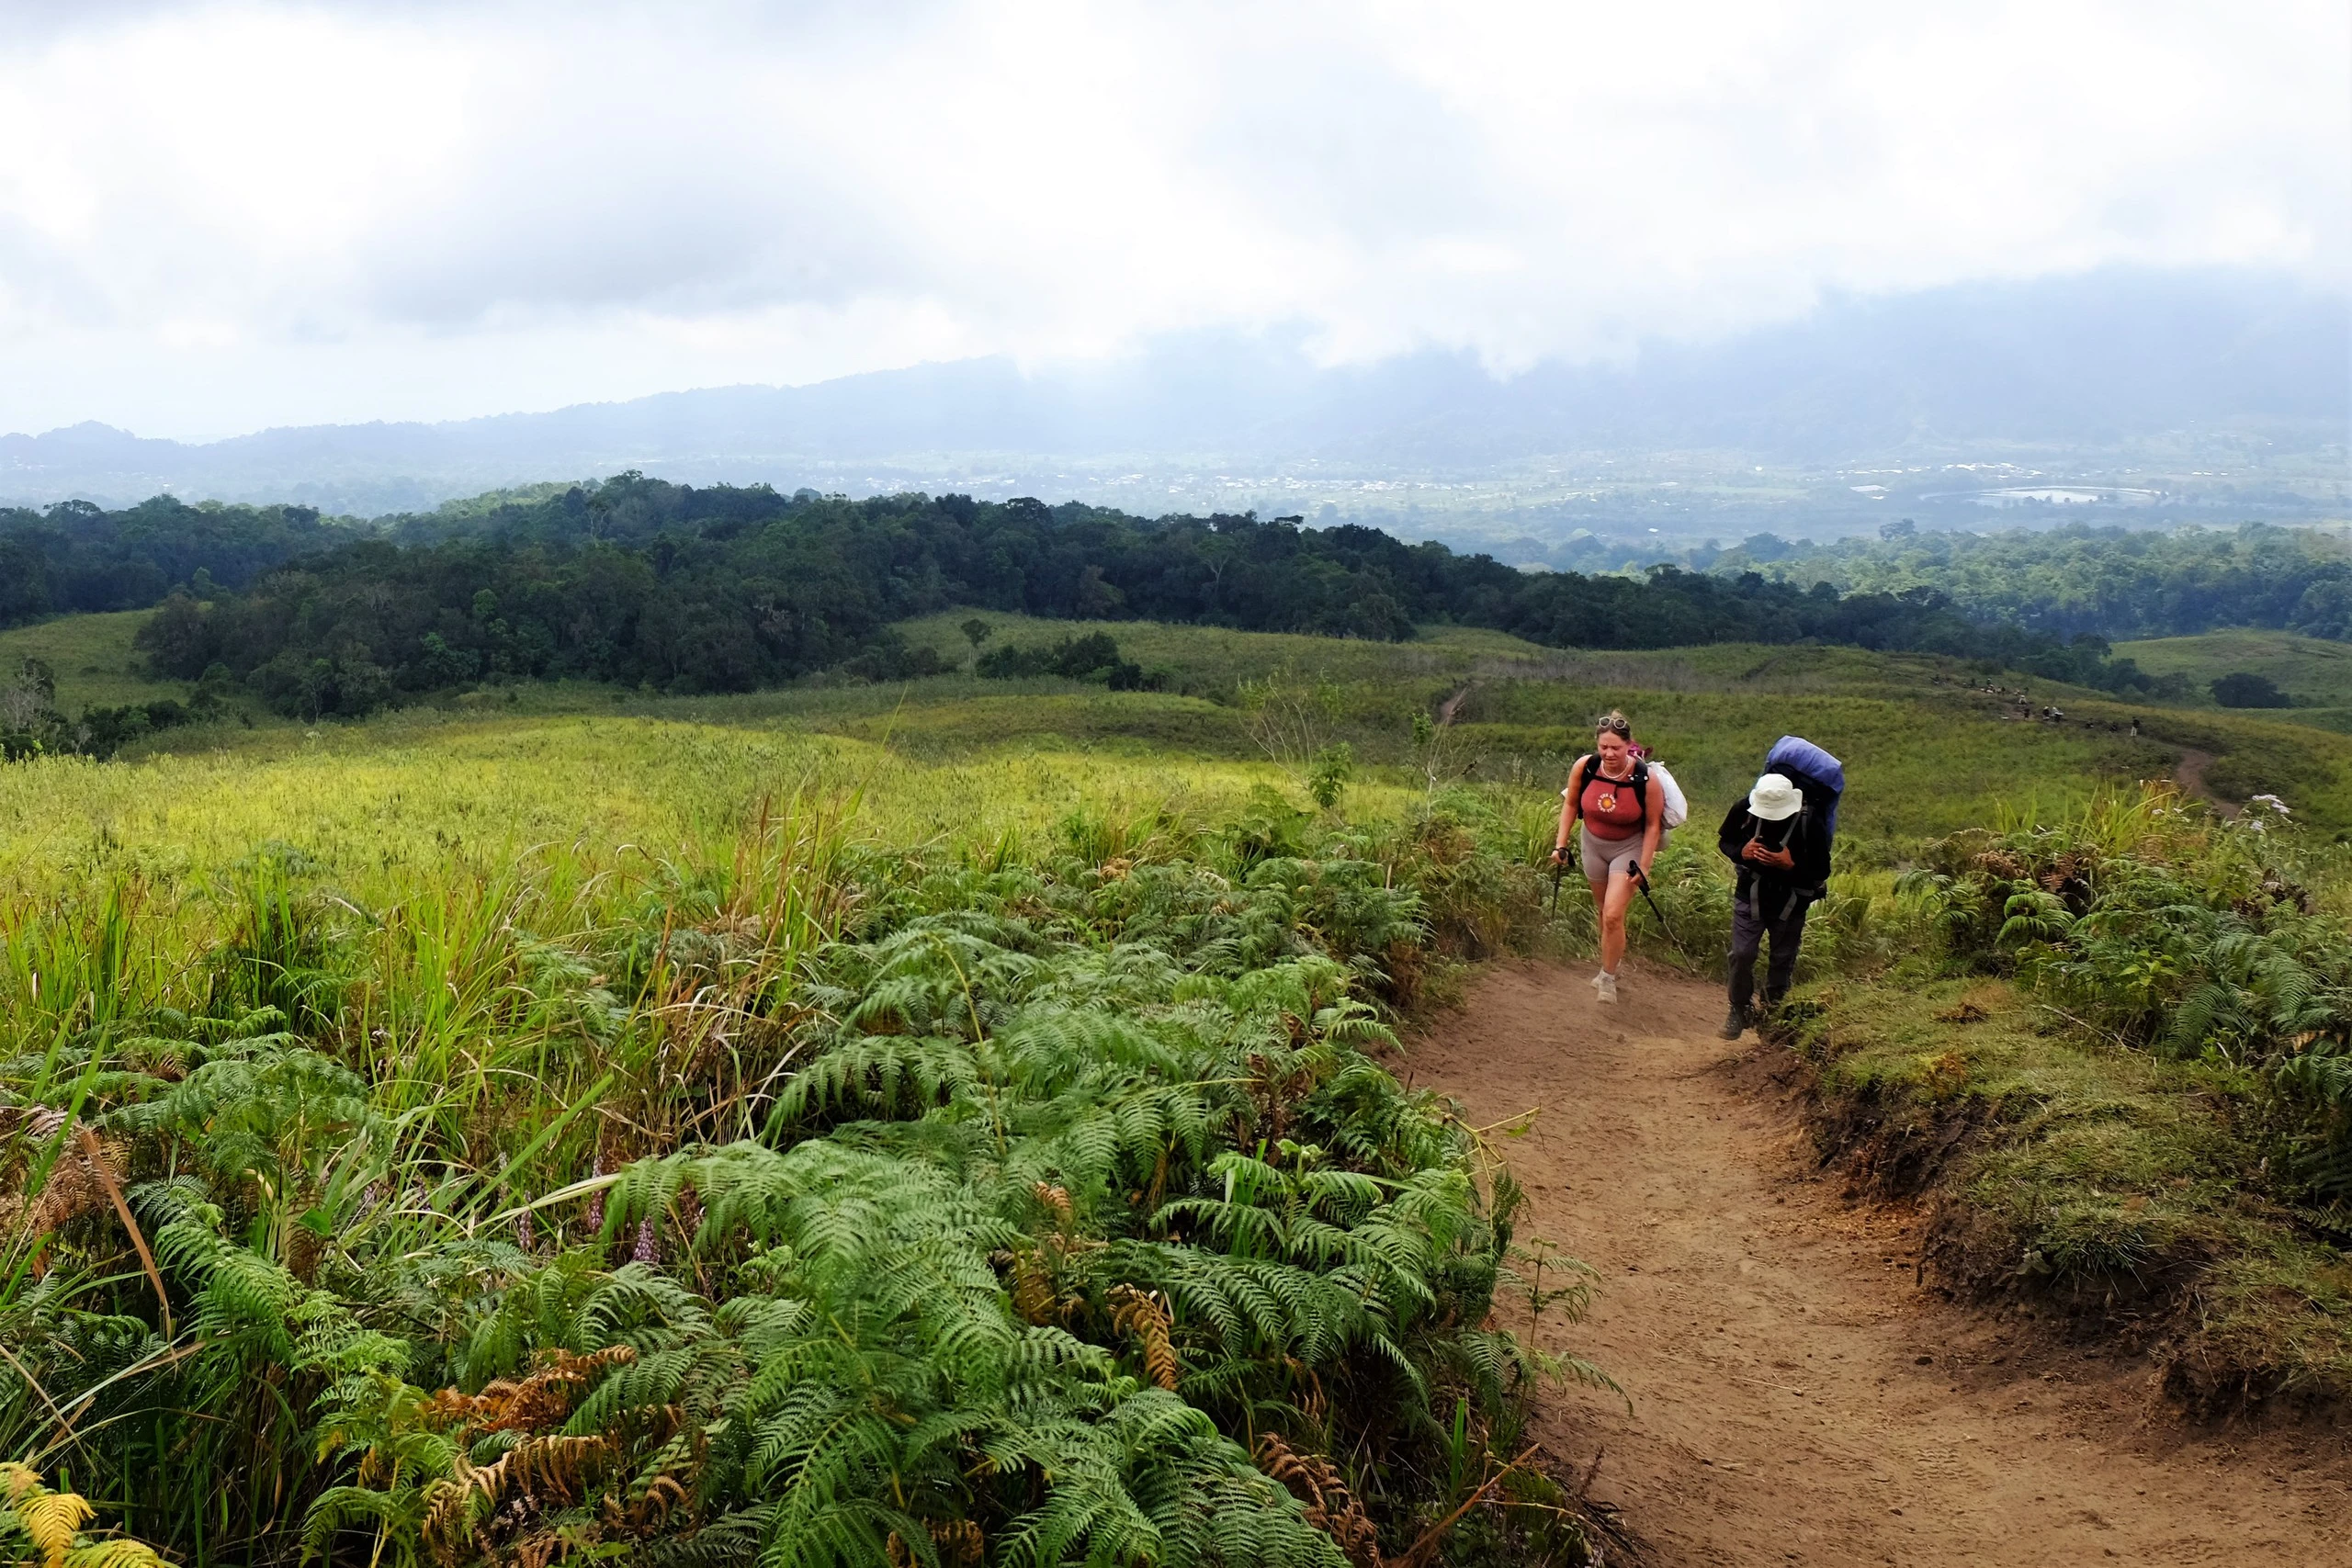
x: 2090, y: 362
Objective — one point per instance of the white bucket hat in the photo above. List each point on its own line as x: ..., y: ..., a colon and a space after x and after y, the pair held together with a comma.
x: 1774, y: 799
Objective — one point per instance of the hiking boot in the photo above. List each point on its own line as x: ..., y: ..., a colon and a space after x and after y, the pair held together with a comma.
x: 1734, y: 1024
x: 1605, y: 984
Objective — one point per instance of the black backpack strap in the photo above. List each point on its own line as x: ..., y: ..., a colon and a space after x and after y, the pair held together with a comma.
x: 1589, y: 769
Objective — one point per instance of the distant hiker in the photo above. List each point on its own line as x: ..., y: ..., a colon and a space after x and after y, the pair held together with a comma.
x: 1779, y: 838
x: 1611, y: 800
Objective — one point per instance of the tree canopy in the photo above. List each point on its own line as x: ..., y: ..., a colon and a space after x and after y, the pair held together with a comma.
x: 715, y: 589
x: 2117, y: 582
x: 74, y: 555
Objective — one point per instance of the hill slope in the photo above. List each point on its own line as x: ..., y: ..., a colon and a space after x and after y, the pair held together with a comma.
x: 2315, y: 672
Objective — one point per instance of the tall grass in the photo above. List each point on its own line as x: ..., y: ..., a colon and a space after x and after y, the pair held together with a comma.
x: 1052, y: 1135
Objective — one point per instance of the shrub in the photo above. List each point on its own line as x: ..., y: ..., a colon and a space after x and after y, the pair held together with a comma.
x: 1094, y: 657
x: 2242, y: 690
x: 2170, y: 931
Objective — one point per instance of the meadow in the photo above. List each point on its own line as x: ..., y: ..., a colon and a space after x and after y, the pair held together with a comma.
x: 91, y: 657
x: 2316, y: 674
x: 1940, y: 753
x: 948, y: 1121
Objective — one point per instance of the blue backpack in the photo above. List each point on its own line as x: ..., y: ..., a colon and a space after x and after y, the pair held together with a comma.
x: 1804, y: 764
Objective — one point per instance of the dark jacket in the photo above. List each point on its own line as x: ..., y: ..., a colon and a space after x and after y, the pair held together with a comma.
x: 1805, y: 836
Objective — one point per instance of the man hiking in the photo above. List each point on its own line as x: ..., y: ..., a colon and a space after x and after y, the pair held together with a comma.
x: 1622, y: 810
x: 1778, y: 840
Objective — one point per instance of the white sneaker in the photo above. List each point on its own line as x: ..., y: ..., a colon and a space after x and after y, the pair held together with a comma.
x: 1606, y: 985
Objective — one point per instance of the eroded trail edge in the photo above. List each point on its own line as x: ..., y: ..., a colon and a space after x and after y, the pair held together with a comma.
x: 1798, y: 1397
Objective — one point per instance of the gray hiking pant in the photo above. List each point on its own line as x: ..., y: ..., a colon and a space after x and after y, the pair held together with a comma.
x: 1782, y: 917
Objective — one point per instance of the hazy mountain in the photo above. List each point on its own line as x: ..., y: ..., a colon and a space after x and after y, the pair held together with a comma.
x: 2064, y: 378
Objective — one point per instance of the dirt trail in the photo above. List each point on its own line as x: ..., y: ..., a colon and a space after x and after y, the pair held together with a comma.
x: 1797, y: 1397
x: 2189, y: 774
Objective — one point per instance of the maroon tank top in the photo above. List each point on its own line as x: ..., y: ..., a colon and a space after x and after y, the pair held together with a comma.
x: 1611, y: 810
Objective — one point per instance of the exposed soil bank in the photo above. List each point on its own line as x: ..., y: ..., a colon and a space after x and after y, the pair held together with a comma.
x: 1798, y: 1398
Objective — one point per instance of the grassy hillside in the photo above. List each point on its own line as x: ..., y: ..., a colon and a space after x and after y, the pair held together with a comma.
x: 92, y: 657
x: 1930, y: 752
x: 389, y: 806
x: 1213, y: 657
x: 2315, y: 672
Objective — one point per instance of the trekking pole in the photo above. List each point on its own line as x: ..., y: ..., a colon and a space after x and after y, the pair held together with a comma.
x: 1643, y: 882
x: 1559, y: 869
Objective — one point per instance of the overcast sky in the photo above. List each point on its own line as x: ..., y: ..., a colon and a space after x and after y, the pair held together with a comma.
x: 218, y: 218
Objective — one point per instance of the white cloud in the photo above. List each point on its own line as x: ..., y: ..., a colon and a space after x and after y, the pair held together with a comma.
x: 216, y: 216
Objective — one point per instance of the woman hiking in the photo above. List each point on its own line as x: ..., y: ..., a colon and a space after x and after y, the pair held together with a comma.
x: 1619, y: 816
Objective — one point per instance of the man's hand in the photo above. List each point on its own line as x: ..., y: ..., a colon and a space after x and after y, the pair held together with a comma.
x: 1779, y: 860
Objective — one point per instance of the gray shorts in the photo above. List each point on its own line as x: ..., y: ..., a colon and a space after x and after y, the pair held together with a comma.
x: 1603, y: 856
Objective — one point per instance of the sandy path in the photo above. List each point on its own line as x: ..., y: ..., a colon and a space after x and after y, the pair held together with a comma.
x: 1797, y: 1398
x: 2189, y: 774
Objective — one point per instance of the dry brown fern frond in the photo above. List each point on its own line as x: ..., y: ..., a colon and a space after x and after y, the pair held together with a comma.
x: 1033, y: 1296
x: 1141, y: 1315
x: 1331, y: 1507
x: 959, y: 1542
x: 2004, y: 864
x: 652, y: 1506
x: 79, y: 1178
x: 1056, y: 1201
x: 526, y: 1404
x: 537, y: 1550
x: 541, y: 1470
x: 663, y: 1496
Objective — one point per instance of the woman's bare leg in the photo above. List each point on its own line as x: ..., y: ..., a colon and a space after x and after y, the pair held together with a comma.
x: 1614, y: 899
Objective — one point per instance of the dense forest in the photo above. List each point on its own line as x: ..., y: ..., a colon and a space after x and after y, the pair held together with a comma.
x: 74, y: 556
x: 687, y: 589
x: 2115, y: 583
x: 681, y: 589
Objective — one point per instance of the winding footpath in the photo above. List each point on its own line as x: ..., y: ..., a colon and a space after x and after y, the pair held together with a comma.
x: 1797, y: 1397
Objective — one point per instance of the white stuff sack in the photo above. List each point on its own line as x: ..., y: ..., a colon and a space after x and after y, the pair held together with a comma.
x: 1677, y: 809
